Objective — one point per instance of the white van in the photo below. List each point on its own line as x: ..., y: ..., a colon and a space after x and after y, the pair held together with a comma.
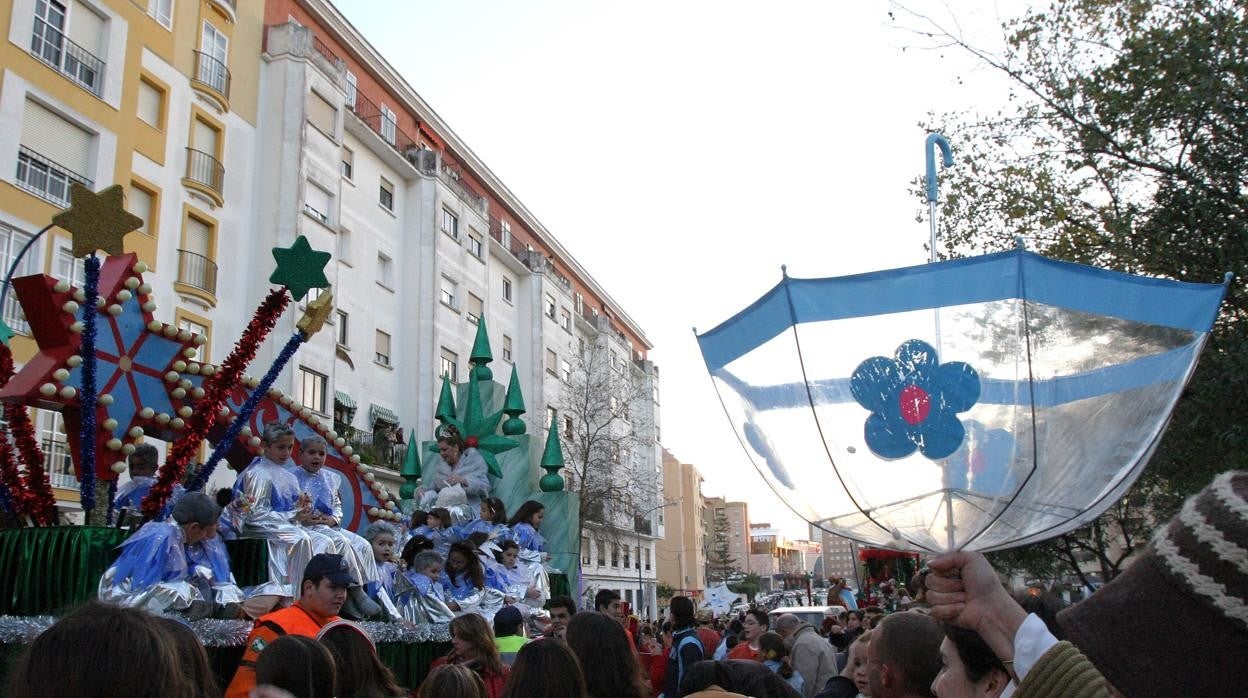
x: 811, y: 614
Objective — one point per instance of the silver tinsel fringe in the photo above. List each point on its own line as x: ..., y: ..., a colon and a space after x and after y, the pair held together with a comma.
x: 233, y: 633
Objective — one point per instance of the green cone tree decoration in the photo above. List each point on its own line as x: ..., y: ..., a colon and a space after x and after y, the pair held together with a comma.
x: 552, y: 460
x: 410, y: 470
x: 514, y: 406
x: 481, y: 356
x: 476, y: 425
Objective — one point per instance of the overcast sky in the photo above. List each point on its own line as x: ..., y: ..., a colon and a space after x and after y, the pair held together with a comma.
x: 683, y: 150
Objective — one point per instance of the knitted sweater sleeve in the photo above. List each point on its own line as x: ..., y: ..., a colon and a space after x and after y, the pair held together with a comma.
x: 1063, y: 671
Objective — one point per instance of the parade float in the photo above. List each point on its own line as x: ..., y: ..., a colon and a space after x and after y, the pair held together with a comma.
x: 119, y: 375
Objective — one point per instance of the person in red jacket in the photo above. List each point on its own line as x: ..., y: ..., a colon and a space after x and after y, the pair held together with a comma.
x: 752, y: 628
x: 322, y: 593
x: 472, y: 645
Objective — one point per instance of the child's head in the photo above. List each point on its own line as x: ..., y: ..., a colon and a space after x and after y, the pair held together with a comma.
x: 279, y: 441
x: 493, y: 510
x: 413, y: 547
x: 418, y: 518
x: 439, y: 517
x: 428, y: 563
x: 507, y: 553
x: 382, y: 537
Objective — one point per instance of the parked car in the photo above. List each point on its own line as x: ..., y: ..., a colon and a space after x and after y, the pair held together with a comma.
x: 811, y: 614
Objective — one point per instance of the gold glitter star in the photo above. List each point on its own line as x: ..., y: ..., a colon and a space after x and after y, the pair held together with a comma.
x: 317, y: 313
x: 97, y: 221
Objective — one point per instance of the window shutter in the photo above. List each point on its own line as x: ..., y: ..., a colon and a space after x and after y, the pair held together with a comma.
x: 204, y: 138
x: 140, y: 204
x: 56, y: 139
x: 321, y: 113
x: 86, y: 28
x: 149, y: 103
x: 197, y: 237
x: 318, y: 199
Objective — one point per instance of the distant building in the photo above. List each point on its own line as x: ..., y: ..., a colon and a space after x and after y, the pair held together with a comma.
x: 840, y: 556
x: 738, y: 516
x: 681, y: 553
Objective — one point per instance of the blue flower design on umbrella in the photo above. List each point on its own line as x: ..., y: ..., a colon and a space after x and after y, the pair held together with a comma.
x: 914, y: 401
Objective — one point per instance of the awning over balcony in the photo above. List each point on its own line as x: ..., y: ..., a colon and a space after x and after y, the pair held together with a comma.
x: 377, y: 413
x: 343, y: 399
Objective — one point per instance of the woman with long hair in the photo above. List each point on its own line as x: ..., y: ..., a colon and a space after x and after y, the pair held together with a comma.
x: 360, y: 671
x: 192, y: 658
x: 450, y: 681
x: 601, y: 646
x: 463, y: 579
x: 298, y: 665
x: 545, y: 670
x: 472, y: 646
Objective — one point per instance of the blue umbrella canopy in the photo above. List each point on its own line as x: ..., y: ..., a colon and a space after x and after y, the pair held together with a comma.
x: 976, y: 404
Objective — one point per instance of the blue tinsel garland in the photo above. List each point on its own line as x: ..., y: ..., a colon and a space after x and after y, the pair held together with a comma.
x: 87, y: 400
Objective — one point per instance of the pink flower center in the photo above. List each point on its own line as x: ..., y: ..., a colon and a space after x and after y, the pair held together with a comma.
x: 916, y: 404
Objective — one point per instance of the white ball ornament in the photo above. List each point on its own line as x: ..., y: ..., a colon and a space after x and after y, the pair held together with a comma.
x: 135, y: 432
x: 162, y: 418
x: 124, y: 295
x: 76, y: 327
x: 193, y: 368
x: 347, y: 451
x: 109, y: 424
x: 132, y: 283
x: 208, y: 370
x: 100, y: 301
x: 68, y: 392
x: 119, y: 467
x: 340, y: 442
x: 373, y: 511
x: 354, y: 460
x: 171, y: 377
x: 128, y: 449
x: 178, y: 393
x: 185, y: 384
x: 60, y: 287
x: 147, y: 413
x: 155, y: 326
x: 70, y: 307
x: 197, y: 393
x: 184, y: 335
x: 105, y: 399
x: 80, y: 296
x: 114, y: 444
x: 139, y: 267
x: 245, y: 432
x: 145, y: 289
x: 185, y: 411
x: 47, y: 390
x: 200, y: 340
x: 254, y: 442
x: 177, y: 423
x: 60, y: 374
x: 114, y: 310
x: 74, y: 361
x: 170, y: 331
x: 148, y: 306
x: 189, y: 352
x: 369, y: 477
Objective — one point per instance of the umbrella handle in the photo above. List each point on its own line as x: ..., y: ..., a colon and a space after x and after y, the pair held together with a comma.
x: 935, y: 139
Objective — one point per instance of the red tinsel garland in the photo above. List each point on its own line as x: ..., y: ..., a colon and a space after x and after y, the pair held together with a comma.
x: 216, y: 389
x: 35, y: 493
x: 9, y: 474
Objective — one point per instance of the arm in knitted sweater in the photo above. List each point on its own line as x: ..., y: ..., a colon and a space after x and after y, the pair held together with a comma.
x: 1063, y: 671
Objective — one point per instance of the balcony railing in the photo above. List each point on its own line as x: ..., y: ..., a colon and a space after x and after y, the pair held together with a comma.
x: 371, y: 115
x: 46, y: 179
x: 204, y: 169
x: 212, y: 73
x: 452, y: 175
x: 13, y: 315
x: 70, y: 59
x: 377, y: 449
x: 59, y: 465
x: 517, y: 250
x: 325, y: 51
x: 197, y: 271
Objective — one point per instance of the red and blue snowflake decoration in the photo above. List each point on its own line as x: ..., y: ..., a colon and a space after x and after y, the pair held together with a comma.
x: 914, y: 401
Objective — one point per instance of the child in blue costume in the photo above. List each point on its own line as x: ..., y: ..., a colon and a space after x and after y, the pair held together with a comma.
x: 425, y: 599
x: 463, y: 580
x: 266, y: 499
x: 177, y: 565
x: 435, y: 527
x: 532, y: 555
x: 491, y: 520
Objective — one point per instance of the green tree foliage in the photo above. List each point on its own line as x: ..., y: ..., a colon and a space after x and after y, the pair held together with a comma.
x: 1123, y: 143
x: 720, y: 565
x: 663, y: 590
x: 749, y: 585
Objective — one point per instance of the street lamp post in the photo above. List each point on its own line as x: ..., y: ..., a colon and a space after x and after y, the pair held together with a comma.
x: 641, y: 589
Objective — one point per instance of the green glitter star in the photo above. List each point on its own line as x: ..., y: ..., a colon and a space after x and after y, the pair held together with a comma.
x: 300, y: 268
x: 6, y: 333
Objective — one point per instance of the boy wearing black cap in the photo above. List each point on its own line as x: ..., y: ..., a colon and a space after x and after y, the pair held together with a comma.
x: 322, y: 593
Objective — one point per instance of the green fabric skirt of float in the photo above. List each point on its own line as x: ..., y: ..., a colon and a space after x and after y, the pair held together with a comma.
x: 45, y: 571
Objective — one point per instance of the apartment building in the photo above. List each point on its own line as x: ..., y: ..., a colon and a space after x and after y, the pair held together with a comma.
x: 682, y: 552
x: 738, y: 516
x: 840, y: 556
x: 137, y: 93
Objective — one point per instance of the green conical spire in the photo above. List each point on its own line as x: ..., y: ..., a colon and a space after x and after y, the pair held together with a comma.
x: 446, y: 402
x: 410, y: 470
x: 552, y: 459
x: 513, y: 406
x: 475, y: 413
x: 481, y: 356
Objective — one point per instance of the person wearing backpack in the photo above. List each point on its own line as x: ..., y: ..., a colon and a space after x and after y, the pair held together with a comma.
x: 686, y: 649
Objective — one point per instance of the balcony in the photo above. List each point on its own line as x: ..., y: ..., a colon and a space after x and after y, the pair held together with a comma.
x: 212, y: 78
x: 69, y: 59
x: 206, y: 174
x: 377, y: 449
x: 507, y: 240
x: 452, y: 176
x: 326, y: 52
x: 378, y: 123
x: 46, y: 179
x: 58, y: 464
x: 198, y: 272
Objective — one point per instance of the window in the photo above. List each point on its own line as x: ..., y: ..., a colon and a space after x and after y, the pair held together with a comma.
x: 565, y: 320
x: 212, y: 66
x: 389, y: 124
x: 385, y: 196
x: 56, y: 449
x: 195, y: 265
x: 507, y: 289
x: 475, y: 245
x: 615, y: 555
x: 450, y: 224
x: 344, y: 337
x: 322, y: 114
x: 567, y: 424
x: 506, y: 348
x: 317, y: 203
x: 504, y: 233
x: 53, y: 153
x: 449, y: 366
x: 68, y: 268
x: 626, y: 556
x: 646, y: 553
x: 151, y: 104
x: 312, y: 389
x: 476, y: 307
x: 348, y: 163
x: 551, y: 415
x: 382, y: 355
x: 162, y: 11
x: 142, y: 203
x: 552, y: 362
x: 602, y: 553
x: 72, y: 50
x: 344, y: 246
x: 11, y: 242
x: 448, y: 293
x: 202, y: 163
x: 200, y: 329
x: 585, y: 560
x: 385, y: 271
x: 579, y: 303
x: 565, y: 370
x: 549, y: 304
x: 352, y: 89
